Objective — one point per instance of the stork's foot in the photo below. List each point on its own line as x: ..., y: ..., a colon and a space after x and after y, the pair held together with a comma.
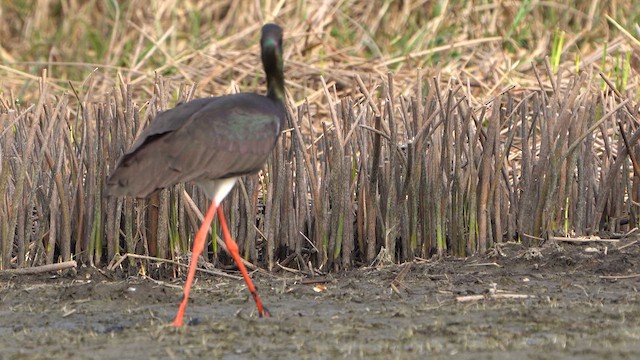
x: 265, y: 313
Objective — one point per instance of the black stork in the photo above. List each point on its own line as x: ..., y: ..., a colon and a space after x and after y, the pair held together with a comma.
x: 211, y: 142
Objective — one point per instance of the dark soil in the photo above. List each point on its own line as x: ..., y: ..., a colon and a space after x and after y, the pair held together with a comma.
x: 428, y: 309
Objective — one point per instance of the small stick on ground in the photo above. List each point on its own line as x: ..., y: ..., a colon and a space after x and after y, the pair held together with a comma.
x: 582, y: 239
x: 627, y: 245
x: 395, y: 289
x: 161, y: 283
x: 168, y: 261
x: 294, y: 271
x: 41, y: 269
x: 469, y: 298
x: 626, y: 235
x: 485, y: 264
x: 532, y: 237
x: 398, y: 282
x: 314, y: 281
x: 617, y: 277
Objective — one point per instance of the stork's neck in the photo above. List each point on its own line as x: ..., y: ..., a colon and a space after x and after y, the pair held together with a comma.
x: 271, y: 53
x: 275, y: 86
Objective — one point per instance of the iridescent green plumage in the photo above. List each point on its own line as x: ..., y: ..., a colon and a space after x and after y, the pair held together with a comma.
x: 210, y: 138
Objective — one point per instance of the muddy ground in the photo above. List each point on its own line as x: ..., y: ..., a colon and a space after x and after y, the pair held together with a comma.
x: 553, y: 302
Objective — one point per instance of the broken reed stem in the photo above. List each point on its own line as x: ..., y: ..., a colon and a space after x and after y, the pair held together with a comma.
x: 41, y: 269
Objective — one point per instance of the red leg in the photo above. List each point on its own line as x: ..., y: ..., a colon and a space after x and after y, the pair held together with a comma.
x: 233, y: 250
x: 198, y: 247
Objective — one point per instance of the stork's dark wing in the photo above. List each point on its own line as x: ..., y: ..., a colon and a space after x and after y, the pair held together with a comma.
x: 169, y: 121
x: 229, y: 136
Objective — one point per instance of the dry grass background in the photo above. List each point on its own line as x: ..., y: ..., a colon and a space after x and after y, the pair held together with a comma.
x: 416, y: 127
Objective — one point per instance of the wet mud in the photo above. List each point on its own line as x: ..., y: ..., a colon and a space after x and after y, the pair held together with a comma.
x: 563, y: 301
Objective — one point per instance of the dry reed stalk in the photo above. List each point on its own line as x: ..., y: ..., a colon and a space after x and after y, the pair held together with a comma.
x: 302, y: 218
x: 113, y: 206
x: 484, y: 181
x: 372, y: 208
x: 5, y: 211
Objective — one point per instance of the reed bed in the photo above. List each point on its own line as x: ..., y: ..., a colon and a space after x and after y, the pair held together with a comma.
x: 385, y: 177
x: 405, y: 139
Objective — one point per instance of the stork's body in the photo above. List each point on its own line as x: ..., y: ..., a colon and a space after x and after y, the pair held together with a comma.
x: 212, y: 142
